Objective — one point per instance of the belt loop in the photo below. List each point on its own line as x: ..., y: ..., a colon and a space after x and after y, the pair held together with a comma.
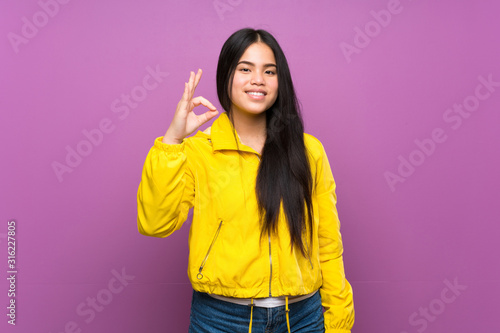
x: 251, y: 315
x: 287, y: 317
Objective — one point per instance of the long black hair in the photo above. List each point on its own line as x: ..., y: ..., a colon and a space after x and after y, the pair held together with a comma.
x: 284, y: 175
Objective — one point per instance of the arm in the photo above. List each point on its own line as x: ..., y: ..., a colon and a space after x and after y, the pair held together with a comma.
x: 336, y: 292
x: 166, y: 191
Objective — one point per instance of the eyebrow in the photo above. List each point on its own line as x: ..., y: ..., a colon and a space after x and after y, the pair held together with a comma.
x: 252, y: 64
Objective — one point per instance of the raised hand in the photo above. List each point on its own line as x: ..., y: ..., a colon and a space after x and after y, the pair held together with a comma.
x: 185, y: 120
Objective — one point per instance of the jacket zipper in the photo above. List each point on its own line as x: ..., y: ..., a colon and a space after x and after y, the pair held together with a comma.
x: 199, y: 276
x: 270, y: 264
x: 270, y: 255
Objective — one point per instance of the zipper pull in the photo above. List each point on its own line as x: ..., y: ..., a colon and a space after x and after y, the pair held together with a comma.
x: 199, y: 276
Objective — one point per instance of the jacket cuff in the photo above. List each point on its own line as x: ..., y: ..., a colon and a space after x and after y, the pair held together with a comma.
x: 169, y: 147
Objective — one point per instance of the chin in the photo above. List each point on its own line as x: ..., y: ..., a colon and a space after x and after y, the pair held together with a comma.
x: 251, y: 111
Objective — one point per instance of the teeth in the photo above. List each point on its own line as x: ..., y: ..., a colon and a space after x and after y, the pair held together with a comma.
x: 255, y: 93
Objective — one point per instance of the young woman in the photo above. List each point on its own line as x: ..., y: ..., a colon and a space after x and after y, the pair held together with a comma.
x: 265, y: 249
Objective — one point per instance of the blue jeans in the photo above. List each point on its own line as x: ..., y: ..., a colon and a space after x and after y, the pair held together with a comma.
x: 210, y: 315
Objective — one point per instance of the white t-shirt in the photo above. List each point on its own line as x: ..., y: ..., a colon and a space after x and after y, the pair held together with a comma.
x: 268, y: 302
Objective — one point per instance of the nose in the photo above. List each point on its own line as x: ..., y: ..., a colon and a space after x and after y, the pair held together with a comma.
x: 257, y: 78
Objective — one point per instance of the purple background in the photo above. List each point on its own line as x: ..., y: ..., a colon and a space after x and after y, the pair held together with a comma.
x: 400, y: 243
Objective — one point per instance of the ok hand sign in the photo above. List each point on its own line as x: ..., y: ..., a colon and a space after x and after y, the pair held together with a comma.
x: 185, y: 121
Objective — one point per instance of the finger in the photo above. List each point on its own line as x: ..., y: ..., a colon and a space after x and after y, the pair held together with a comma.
x: 204, y: 117
x: 184, y: 102
x: 197, y: 78
x: 190, y: 84
x: 185, y: 94
x: 203, y: 101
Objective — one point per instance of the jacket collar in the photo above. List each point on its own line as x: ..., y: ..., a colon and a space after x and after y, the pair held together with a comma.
x: 221, y: 133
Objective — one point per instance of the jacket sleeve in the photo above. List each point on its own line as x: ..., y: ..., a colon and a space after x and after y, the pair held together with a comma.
x: 166, y: 190
x: 336, y: 292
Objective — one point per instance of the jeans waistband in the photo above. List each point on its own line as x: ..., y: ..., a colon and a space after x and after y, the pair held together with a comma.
x: 269, y: 302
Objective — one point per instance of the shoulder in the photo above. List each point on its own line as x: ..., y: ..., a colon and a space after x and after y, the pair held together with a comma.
x: 314, y: 146
x: 311, y: 140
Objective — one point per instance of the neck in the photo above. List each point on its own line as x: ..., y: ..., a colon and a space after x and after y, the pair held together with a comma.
x: 250, y: 127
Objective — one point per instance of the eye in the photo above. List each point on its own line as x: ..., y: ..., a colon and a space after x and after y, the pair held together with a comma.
x: 270, y: 72
x: 244, y: 70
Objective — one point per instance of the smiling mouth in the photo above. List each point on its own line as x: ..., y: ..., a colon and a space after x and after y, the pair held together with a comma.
x: 254, y: 93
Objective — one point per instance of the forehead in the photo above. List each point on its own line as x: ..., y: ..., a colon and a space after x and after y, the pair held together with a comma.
x: 258, y: 53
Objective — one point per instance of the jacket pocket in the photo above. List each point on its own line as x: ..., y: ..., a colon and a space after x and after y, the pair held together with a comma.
x: 199, y: 276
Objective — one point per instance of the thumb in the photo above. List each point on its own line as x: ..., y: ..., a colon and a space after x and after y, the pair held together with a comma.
x: 205, y: 117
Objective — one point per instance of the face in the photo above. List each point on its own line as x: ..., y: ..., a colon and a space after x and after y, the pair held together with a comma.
x: 255, y: 81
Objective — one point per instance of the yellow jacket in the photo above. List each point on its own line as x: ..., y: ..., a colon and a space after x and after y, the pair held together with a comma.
x: 227, y: 256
